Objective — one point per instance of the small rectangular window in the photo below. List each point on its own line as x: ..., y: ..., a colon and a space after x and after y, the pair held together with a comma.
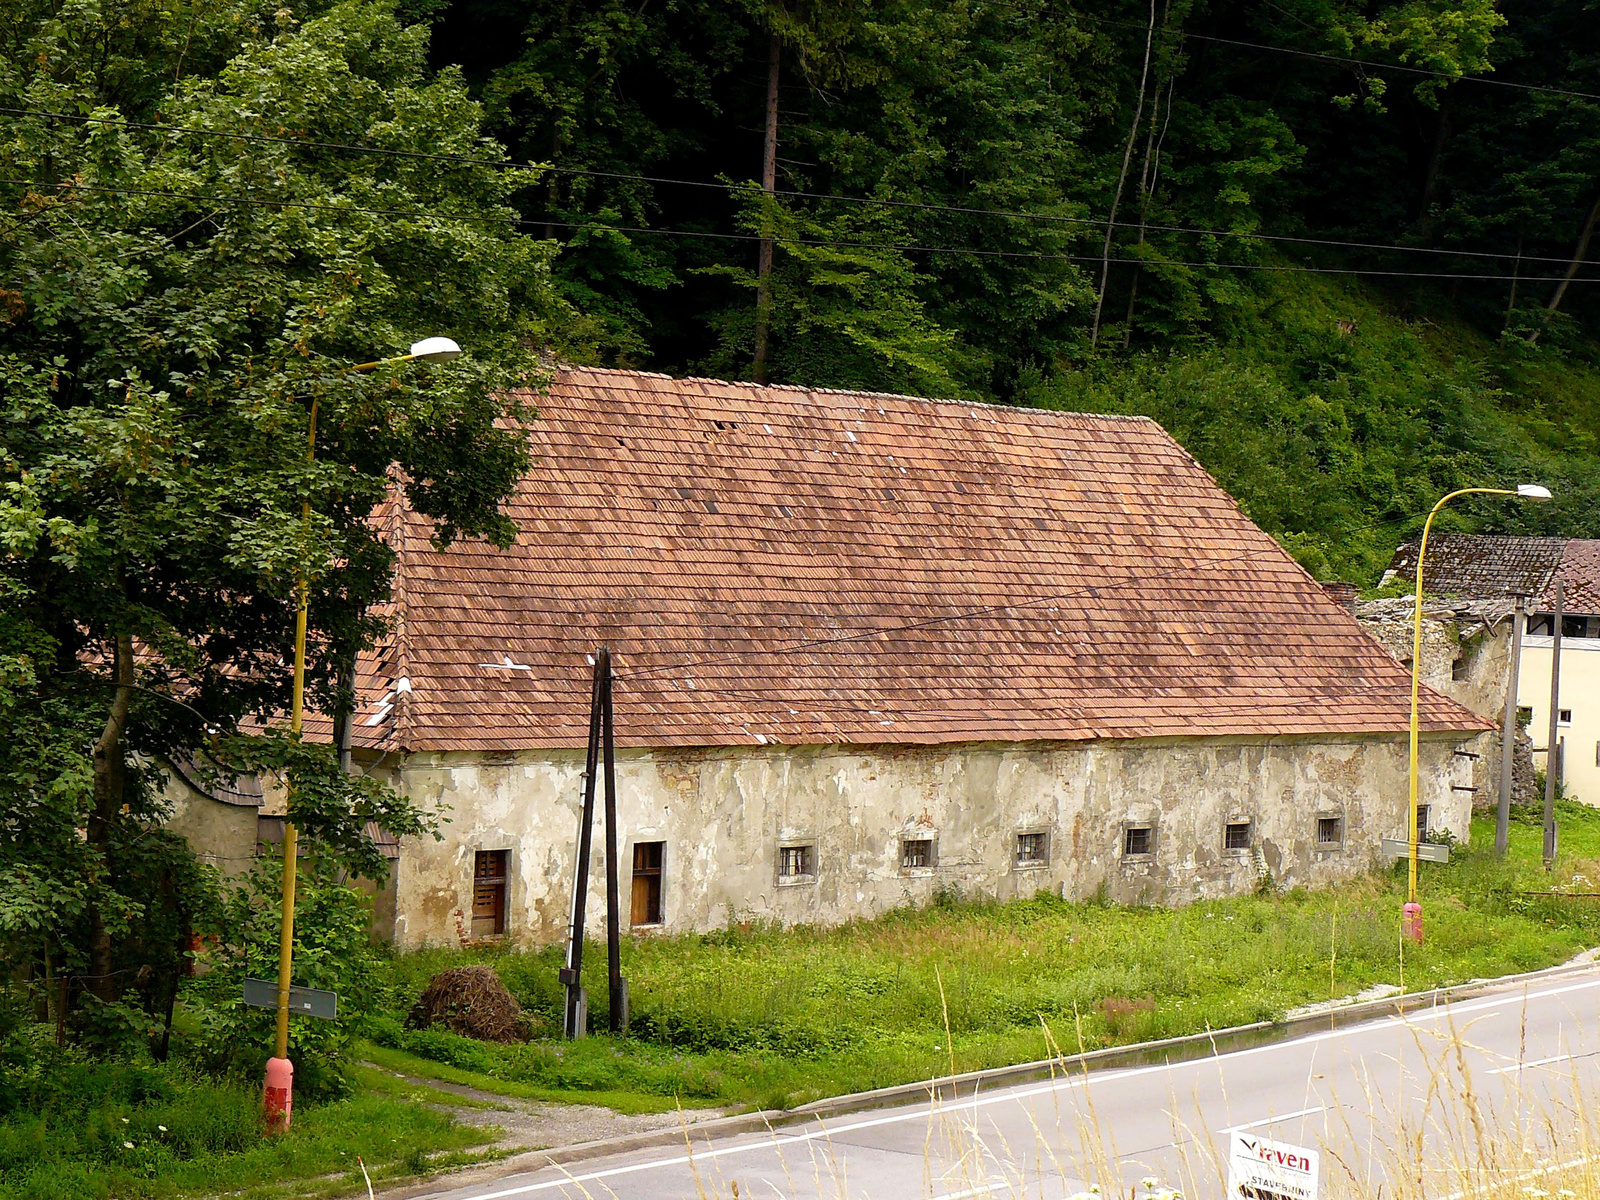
x: 1423, y: 811
x: 1033, y: 849
x: 916, y: 854
x: 1574, y: 627
x: 1564, y: 716
x: 1460, y: 670
x: 647, y: 862
x: 1136, y: 840
x: 1330, y: 831
x: 1236, y: 835
x: 1540, y: 624
x: 796, y: 863
x: 489, y: 892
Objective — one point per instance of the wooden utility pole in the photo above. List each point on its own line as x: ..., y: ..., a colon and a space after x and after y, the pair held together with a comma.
x: 1552, y: 753
x: 1508, y: 730
x: 769, y: 185
x: 601, y: 758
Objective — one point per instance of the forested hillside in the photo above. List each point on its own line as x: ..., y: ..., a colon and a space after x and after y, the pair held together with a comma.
x: 1336, y: 246
x: 1338, y: 231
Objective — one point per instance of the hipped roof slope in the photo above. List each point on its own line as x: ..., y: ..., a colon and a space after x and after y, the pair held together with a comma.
x: 798, y: 566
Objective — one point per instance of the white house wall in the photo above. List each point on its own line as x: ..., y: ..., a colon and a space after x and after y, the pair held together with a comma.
x: 1580, y: 695
x: 723, y: 813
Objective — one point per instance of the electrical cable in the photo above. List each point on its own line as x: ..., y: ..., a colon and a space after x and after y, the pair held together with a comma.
x: 534, y: 222
x: 870, y: 201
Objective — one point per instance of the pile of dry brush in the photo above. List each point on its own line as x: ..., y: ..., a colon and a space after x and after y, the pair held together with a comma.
x: 473, y: 1002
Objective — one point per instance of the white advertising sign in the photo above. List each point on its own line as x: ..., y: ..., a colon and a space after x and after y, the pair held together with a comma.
x: 1263, y: 1170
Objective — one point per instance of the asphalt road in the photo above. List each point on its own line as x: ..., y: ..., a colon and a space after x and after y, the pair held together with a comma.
x: 1496, y: 1079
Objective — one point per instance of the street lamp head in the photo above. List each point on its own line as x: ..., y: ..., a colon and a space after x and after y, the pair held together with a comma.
x: 434, y: 349
x: 1533, y: 491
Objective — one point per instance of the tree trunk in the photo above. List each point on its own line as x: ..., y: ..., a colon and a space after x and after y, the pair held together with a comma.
x: 109, y: 778
x: 1122, y: 178
x: 1511, y: 304
x: 1578, y: 255
x: 1147, y: 178
x: 1430, y: 179
x: 769, y: 185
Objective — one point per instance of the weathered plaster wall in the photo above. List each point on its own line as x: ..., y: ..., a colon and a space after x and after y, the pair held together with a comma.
x: 223, y: 835
x: 723, y: 814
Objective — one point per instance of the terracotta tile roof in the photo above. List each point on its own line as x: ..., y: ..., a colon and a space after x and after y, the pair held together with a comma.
x: 1488, y: 567
x: 1580, y: 579
x: 781, y: 565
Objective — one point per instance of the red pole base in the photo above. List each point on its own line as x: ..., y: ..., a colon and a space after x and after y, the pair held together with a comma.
x: 1412, y: 922
x: 277, y: 1098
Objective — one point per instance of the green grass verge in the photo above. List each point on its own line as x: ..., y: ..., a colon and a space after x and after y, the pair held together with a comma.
x: 144, y: 1132
x: 770, y: 1018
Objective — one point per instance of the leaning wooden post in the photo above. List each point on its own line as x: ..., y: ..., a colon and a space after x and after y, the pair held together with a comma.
x: 576, y: 1023
x: 1552, y: 753
x: 617, y: 986
x: 1508, y: 731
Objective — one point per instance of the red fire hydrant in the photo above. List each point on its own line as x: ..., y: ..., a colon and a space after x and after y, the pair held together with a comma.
x: 1412, y: 922
x: 277, y: 1101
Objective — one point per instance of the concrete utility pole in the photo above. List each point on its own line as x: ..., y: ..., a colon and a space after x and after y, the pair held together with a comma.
x: 1552, y: 751
x: 769, y: 185
x: 1508, y: 730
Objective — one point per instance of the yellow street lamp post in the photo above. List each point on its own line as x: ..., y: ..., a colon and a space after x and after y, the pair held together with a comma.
x: 278, y: 1093
x: 1412, y: 913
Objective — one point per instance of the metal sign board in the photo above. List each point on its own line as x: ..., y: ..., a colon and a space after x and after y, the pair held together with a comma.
x: 308, y: 1002
x: 1434, y: 852
x: 1263, y: 1170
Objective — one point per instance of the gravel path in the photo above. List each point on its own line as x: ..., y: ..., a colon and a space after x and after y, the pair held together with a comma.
x: 538, y: 1125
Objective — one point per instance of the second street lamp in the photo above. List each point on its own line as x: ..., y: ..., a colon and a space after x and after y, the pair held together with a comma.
x: 278, y: 1094
x: 1412, y: 913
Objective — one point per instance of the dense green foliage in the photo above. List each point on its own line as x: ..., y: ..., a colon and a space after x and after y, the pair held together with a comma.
x: 946, y: 172
x: 180, y: 315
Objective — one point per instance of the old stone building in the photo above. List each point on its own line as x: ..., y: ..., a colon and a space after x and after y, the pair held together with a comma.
x: 1470, y: 581
x: 868, y: 647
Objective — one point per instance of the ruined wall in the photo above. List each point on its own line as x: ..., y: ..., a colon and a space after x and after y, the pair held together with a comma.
x: 1468, y: 659
x: 724, y: 813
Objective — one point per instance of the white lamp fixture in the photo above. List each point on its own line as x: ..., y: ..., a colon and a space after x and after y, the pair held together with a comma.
x: 1533, y: 491
x: 435, y: 349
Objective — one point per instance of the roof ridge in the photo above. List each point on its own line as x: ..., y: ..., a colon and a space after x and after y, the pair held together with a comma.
x: 827, y: 391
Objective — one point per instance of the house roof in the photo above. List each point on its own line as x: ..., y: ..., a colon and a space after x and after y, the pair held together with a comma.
x: 1491, y: 567
x: 775, y: 564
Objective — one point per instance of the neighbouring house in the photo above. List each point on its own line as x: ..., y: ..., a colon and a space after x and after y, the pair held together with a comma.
x: 868, y: 647
x: 1476, y: 577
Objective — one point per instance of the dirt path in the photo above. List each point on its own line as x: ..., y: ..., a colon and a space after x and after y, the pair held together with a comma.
x: 538, y: 1125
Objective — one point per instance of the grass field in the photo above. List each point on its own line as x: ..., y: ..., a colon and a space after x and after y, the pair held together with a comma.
x: 771, y: 1018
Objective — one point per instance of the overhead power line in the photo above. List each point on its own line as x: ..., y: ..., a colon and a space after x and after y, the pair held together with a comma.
x: 815, y: 242
x: 870, y: 201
